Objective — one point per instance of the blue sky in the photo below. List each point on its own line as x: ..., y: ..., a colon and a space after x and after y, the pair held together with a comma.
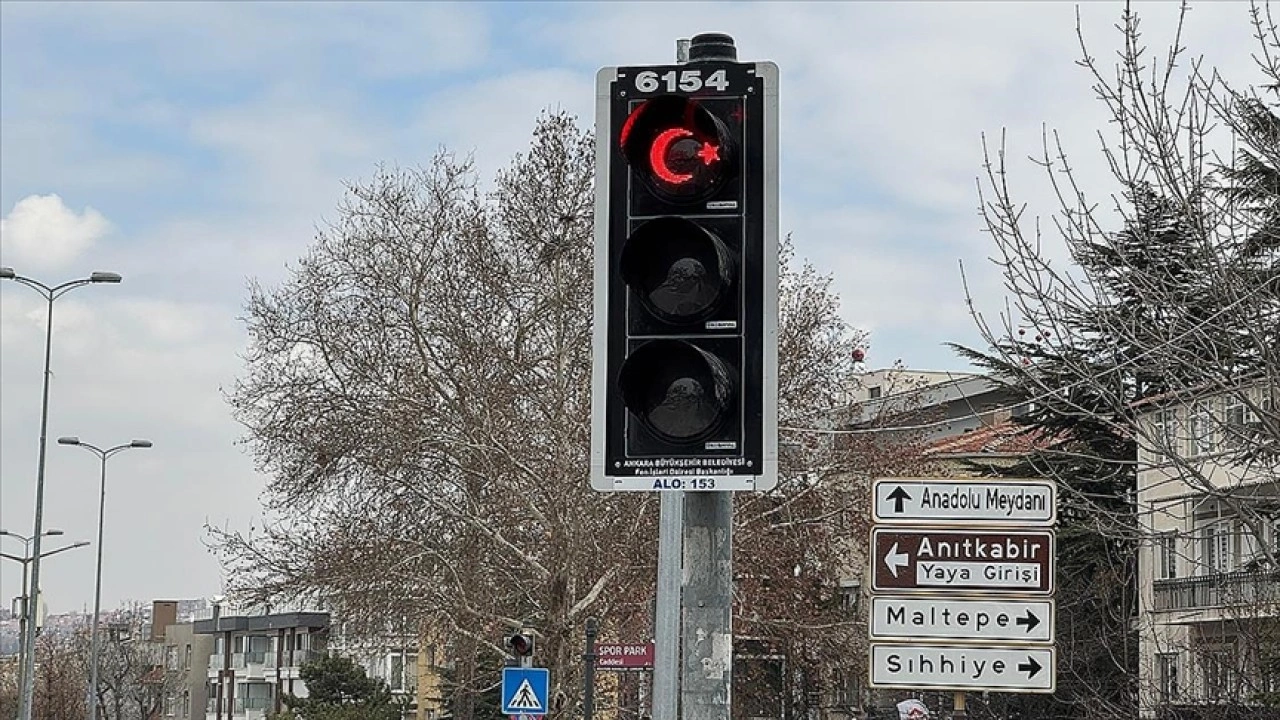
x: 192, y: 146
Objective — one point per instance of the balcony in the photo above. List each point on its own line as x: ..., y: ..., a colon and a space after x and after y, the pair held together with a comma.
x: 1246, y: 587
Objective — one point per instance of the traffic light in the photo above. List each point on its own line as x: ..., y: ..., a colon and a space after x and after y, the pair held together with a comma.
x: 685, y: 334
x: 521, y: 645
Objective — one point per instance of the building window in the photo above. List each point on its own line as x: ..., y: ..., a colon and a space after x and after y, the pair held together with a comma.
x: 187, y: 662
x: 1218, y: 665
x: 873, y: 392
x: 186, y: 703
x: 1201, y: 440
x: 1217, y: 548
x: 850, y: 594
x: 1236, y: 417
x: 1167, y: 676
x: 1166, y: 432
x: 396, y: 676
x: 1167, y: 547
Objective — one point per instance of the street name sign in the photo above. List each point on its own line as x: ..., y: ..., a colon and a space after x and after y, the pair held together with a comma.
x: 933, y: 560
x: 624, y: 656
x: 950, y: 619
x: 1024, y: 503
x: 945, y: 667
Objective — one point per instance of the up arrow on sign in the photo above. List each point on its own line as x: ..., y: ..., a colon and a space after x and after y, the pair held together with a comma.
x: 898, y: 496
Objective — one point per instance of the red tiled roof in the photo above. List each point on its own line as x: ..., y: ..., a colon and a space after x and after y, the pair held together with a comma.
x: 1003, y: 438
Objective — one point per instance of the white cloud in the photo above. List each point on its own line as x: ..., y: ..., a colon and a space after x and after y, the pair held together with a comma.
x: 43, y: 233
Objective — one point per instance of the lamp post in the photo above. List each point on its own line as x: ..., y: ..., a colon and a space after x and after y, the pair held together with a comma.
x: 25, y: 560
x: 49, y: 294
x: 97, y: 583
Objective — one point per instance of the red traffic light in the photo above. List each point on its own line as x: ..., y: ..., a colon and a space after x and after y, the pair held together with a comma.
x: 679, y: 149
x: 521, y: 645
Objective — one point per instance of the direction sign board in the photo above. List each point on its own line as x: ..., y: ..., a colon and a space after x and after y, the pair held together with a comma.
x: 945, y: 667
x: 624, y: 656
x: 1024, y: 503
x: 943, y: 618
x: 932, y: 560
x: 524, y: 690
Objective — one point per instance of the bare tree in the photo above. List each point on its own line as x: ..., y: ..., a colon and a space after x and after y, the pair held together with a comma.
x: 1154, y: 356
x: 419, y: 393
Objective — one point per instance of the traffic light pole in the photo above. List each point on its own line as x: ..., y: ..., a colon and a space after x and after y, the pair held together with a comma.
x: 666, y: 622
x: 707, y: 601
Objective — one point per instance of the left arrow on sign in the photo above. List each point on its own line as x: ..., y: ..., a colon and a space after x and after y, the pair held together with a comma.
x: 895, y: 559
x: 898, y: 496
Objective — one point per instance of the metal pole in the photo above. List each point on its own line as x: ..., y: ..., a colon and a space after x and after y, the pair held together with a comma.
x: 707, y: 604
x: 666, y: 622
x: 97, y: 596
x: 29, y: 644
x: 958, y: 707
x: 589, y: 671
x: 24, y: 622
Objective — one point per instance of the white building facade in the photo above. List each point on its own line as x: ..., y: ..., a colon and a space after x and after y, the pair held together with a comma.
x: 1209, y: 586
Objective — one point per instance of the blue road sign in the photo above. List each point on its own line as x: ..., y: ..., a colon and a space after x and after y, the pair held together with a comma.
x: 524, y: 691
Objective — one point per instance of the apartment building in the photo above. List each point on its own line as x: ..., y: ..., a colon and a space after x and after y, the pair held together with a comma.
x: 1209, y: 585
x: 255, y: 660
x: 186, y: 663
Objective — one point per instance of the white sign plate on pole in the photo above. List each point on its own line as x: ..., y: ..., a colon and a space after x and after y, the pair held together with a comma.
x: 943, y: 667
x: 949, y: 619
x: 1025, y: 503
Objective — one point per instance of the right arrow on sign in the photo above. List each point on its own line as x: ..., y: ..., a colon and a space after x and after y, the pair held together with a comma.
x: 1030, y: 620
x: 895, y: 559
x: 1030, y: 667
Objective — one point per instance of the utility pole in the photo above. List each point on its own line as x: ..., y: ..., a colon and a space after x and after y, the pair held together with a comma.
x: 707, y: 607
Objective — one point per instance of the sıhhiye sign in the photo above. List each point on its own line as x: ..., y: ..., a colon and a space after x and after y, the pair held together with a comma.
x: 946, y: 667
x: 1027, y: 503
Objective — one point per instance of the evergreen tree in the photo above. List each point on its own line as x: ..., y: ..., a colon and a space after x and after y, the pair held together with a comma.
x: 339, y: 689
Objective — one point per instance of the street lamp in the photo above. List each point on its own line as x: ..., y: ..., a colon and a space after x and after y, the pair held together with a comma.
x: 49, y: 294
x: 25, y: 560
x: 97, y: 583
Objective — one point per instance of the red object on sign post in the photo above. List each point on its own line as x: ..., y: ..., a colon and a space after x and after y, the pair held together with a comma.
x: 624, y: 656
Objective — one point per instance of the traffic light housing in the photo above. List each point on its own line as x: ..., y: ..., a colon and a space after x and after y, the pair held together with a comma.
x: 685, y: 334
x: 521, y: 645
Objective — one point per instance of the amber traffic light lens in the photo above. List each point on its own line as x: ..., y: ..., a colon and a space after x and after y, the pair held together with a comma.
x: 680, y: 271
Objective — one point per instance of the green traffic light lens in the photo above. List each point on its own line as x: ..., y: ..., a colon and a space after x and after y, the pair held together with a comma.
x: 680, y: 271
x: 678, y: 391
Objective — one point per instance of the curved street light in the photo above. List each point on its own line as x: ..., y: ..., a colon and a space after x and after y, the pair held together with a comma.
x: 25, y: 559
x: 97, y: 583
x: 27, y: 669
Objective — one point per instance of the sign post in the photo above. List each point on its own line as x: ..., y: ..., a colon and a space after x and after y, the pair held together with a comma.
x: 962, y: 581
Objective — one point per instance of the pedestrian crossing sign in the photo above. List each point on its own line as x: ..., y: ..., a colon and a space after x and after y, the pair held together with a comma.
x: 524, y: 691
